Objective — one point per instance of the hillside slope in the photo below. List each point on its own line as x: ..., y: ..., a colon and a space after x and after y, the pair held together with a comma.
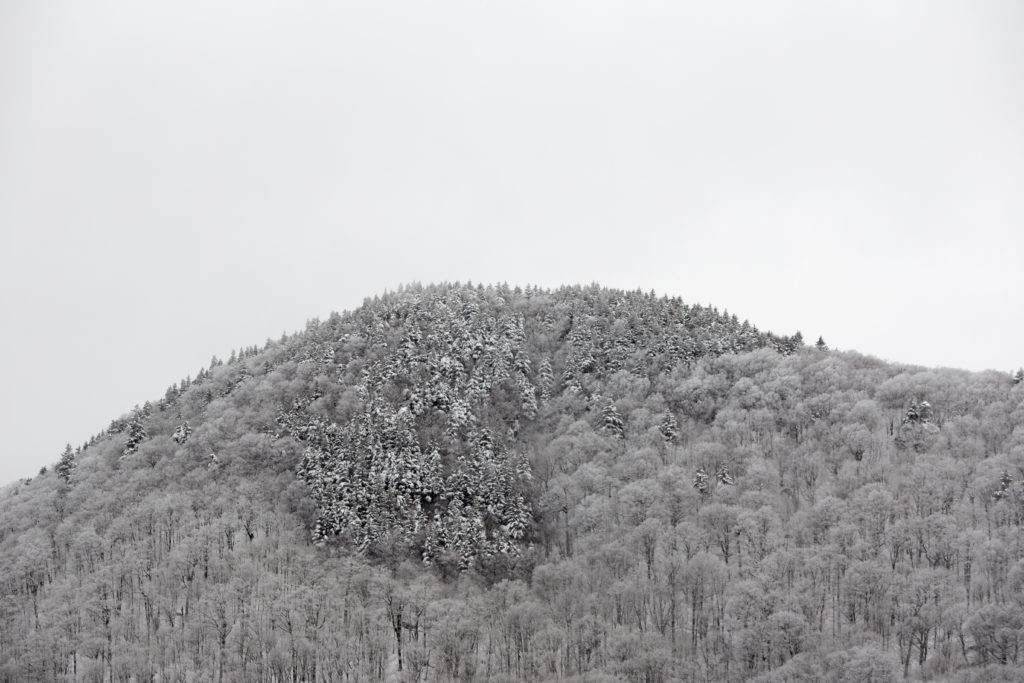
x: 486, y: 483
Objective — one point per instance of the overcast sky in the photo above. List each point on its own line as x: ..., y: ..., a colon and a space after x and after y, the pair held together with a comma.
x: 181, y: 178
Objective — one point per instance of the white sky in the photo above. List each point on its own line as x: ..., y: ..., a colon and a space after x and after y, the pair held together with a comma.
x: 180, y: 178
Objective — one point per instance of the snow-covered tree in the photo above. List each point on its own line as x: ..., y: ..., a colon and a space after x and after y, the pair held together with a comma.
x: 669, y: 428
x: 611, y: 421
x: 1005, y: 480
x: 136, y: 434
x: 66, y: 465
x: 182, y: 433
x: 545, y: 380
x: 918, y: 412
x: 701, y: 482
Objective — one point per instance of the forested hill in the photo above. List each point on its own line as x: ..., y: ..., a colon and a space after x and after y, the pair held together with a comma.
x: 492, y: 483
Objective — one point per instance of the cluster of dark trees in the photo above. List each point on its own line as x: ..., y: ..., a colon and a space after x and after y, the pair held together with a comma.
x: 492, y: 483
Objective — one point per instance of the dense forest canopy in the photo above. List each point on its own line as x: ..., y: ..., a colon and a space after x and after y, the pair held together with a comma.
x: 461, y: 482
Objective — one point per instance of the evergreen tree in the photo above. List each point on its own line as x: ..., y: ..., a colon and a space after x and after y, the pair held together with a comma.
x: 793, y: 344
x: 1004, y: 486
x: 528, y: 397
x: 66, y: 465
x: 545, y: 380
x: 701, y: 482
x: 1019, y: 377
x: 820, y: 344
x: 136, y: 434
x: 918, y: 412
x: 182, y: 433
x: 669, y: 428
x: 611, y: 421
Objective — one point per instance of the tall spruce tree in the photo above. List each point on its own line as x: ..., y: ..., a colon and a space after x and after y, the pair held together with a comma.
x: 669, y: 428
x: 611, y: 421
x: 182, y: 433
x: 136, y: 433
x: 67, y: 464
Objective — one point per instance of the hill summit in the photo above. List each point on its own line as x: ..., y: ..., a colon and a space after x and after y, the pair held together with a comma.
x: 459, y: 482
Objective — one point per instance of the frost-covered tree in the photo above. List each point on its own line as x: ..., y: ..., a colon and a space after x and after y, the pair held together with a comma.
x: 182, y: 433
x: 1005, y: 480
x: 136, y: 433
x: 701, y: 482
x: 669, y: 428
x: 611, y: 421
x: 918, y: 413
x: 66, y: 465
x: 545, y: 380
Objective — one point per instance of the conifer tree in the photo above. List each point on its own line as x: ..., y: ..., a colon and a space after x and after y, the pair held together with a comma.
x: 545, y: 380
x: 918, y: 412
x: 528, y: 397
x: 66, y: 465
x: 136, y: 434
x: 182, y: 433
x: 611, y: 421
x: 669, y: 428
x: 820, y: 344
x: 701, y: 482
x: 1004, y: 486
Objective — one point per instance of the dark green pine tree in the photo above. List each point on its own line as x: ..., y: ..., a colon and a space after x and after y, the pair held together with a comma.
x: 182, y: 433
x: 136, y: 433
x: 545, y: 380
x: 820, y: 344
x: 528, y: 397
x: 1004, y: 486
x: 794, y: 344
x: 66, y: 465
x: 611, y: 421
x: 669, y: 428
x: 701, y: 482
